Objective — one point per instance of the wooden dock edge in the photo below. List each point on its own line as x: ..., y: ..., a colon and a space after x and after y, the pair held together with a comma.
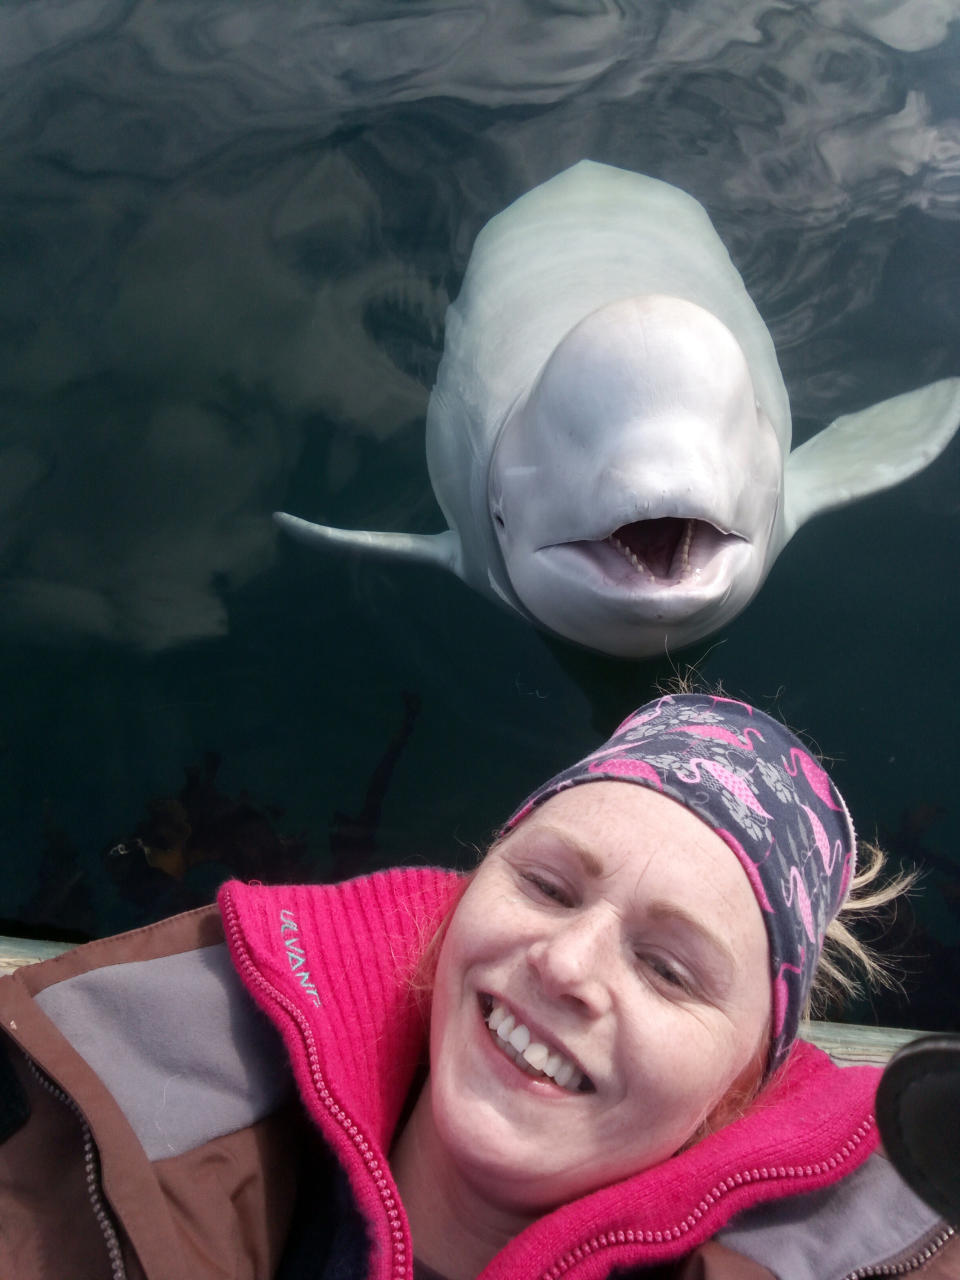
x: 15, y: 952
x: 846, y: 1042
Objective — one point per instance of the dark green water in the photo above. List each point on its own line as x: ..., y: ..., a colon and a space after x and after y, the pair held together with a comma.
x: 228, y: 233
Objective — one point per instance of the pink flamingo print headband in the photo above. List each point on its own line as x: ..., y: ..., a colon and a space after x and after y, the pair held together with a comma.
x: 758, y: 787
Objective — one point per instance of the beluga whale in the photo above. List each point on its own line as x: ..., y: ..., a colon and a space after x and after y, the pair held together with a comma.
x: 609, y: 432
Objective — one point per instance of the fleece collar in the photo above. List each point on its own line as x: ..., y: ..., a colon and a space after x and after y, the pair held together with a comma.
x: 339, y: 969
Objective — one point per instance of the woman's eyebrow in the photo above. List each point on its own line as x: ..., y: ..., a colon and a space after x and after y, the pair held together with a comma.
x: 672, y: 912
x: 591, y: 864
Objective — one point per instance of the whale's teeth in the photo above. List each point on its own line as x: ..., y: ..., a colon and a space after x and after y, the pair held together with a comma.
x: 685, y: 547
x: 680, y: 566
x: 627, y: 553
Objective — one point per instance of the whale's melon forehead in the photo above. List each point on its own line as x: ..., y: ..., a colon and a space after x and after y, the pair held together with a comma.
x: 643, y: 353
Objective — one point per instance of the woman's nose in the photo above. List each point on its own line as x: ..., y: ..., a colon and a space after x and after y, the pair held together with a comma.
x: 574, y: 961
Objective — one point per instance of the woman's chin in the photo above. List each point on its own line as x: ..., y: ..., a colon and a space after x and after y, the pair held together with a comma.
x: 489, y: 1149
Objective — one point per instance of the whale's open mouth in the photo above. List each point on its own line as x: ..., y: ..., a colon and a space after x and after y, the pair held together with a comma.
x: 667, y: 550
x: 664, y: 570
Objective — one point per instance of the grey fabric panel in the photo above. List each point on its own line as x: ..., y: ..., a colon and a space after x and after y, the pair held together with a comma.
x: 866, y: 1219
x: 179, y: 1044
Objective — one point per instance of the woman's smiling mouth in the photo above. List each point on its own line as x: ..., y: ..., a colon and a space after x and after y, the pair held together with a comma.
x: 537, y: 1059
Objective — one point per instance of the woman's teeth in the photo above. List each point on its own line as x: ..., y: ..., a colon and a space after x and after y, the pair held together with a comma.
x: 534, y: 1058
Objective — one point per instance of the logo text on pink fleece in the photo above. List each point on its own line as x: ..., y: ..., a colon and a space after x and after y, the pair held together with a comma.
x: 297, y: 957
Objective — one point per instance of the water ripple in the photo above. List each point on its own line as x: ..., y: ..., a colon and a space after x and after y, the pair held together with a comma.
x: 240, y: 223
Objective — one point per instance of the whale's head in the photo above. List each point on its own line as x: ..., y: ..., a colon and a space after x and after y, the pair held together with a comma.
x: 636, y: 489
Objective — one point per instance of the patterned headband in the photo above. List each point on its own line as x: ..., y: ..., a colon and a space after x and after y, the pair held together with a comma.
x: 757, y: 786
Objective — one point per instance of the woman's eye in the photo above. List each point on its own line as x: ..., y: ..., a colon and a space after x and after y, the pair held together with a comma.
x: 547, y: 888
x: 666, y: 972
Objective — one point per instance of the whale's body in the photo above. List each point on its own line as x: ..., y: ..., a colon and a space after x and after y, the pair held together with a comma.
x: 609, y: 433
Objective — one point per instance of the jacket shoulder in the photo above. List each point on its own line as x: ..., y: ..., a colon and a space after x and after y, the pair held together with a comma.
x: 153, y: 1117
x: 189, y: 931
x: 868, y: 1224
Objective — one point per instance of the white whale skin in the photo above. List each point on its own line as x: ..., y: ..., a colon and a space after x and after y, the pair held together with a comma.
x: 609, y: 433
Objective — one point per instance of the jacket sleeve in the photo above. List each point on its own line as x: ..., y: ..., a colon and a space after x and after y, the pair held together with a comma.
x: 148, y: 1130
x: 716, y: 1261
x: 868, y: 1224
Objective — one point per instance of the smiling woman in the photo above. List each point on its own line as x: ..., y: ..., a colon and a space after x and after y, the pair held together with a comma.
x: 628, y: 986
x: 600, y: 1076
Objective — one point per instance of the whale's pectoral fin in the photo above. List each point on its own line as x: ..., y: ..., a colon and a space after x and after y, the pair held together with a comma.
x: 441, y: 549
x: 862, y: 453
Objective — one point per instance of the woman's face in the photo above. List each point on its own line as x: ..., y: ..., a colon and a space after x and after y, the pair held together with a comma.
x: 621, y: 936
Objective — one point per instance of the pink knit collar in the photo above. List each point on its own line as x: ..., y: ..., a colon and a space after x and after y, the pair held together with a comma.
x: 335, y: 967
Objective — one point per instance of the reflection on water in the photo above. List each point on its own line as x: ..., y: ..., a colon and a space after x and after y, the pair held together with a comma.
x: 228, y: 233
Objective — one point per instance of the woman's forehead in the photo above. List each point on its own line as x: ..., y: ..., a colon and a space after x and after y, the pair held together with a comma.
x: 664, y: 852
x: 609, y: 811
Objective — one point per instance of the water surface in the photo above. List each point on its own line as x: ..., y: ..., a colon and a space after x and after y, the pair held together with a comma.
x: 228, y: 233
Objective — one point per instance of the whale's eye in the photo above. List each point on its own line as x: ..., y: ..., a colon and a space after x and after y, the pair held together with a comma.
x: 498, y: 520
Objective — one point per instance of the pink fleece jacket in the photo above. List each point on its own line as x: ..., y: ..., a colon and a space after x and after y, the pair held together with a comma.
x: 336, y: 968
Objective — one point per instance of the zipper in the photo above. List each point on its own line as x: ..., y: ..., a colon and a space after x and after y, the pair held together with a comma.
x: 90, y: 1165
x: 778, y: 1173
x: 382, y: 1181
x: 938, y: 1237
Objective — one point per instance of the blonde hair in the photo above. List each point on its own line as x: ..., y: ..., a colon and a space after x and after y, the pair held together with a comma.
x: 849, y: 966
